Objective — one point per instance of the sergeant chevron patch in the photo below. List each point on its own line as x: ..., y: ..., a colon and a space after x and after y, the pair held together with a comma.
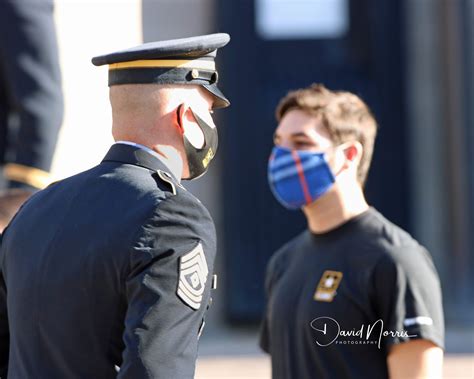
x: 193, y: 273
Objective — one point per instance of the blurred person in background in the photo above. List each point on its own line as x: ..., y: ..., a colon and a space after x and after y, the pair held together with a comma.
x: 31, y: 103
x: 353, y: 296
x: 10, y: 202
x: 111, y: 269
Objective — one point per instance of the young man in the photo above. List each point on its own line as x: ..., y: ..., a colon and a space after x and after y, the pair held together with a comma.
x: 113, y: 267
x: 353, y: 296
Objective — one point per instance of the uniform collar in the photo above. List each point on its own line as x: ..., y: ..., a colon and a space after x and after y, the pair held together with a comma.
x: 138, y: 155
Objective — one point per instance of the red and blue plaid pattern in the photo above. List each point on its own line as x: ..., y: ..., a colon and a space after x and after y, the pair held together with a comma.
x: 298, y: 177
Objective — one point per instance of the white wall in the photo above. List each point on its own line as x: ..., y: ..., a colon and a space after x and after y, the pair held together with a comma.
x: 86, y: 28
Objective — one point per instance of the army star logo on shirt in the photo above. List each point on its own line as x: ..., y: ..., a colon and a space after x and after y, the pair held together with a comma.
x: 327, y: 286
x: 193, y: 273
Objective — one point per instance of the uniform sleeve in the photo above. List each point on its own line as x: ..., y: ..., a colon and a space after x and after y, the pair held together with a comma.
x: 167, y: 291
x: 408, y: 297
x: 4, y: 333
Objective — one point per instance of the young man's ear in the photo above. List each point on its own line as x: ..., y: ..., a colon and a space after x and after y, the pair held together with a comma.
x: 352, y: 154
x: 353, y: 151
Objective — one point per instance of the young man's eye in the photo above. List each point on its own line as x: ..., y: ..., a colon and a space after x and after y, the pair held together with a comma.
x: 302, y: 143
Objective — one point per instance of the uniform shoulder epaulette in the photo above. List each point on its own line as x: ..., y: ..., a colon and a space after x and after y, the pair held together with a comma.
x: 170, y: 181
x: 53, y: 183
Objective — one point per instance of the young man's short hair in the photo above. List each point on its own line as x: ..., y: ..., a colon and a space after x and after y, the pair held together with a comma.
x: 345, y: 115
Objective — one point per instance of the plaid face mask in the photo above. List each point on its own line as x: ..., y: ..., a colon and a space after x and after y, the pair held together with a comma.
x: 298, y: 177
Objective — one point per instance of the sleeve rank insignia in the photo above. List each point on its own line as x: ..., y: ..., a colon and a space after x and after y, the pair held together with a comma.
x: 193, y: 272
x: 327, y: 286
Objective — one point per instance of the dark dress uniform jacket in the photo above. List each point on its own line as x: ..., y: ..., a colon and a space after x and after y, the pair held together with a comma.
x: 110, y: 267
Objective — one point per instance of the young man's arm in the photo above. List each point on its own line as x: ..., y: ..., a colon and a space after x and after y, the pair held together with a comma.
x: 264, y: 337
x: 416, y: 359
x: 273, y: 272
x: 409, y: 302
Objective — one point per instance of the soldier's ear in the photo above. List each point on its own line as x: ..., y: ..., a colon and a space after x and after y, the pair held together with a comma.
x: 180, y: 112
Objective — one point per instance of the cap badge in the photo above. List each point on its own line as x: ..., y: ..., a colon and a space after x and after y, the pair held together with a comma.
x: 195, y: 73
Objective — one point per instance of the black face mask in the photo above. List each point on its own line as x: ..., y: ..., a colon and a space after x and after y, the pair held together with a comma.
x: 199, y: 158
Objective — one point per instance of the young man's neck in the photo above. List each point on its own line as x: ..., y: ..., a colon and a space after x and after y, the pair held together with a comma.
x: 335, y: 208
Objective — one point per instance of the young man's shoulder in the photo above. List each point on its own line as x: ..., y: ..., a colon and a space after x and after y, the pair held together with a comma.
x: 406, y: 288
x: 396, y: 247
x: 390, y: 233
x: 279, y: 259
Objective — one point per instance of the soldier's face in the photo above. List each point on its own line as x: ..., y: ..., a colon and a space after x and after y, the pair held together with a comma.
x: 200, y: 133
x: 201, y: 104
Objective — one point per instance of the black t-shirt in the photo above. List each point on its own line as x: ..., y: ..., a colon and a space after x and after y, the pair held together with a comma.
x: 336, y: 301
